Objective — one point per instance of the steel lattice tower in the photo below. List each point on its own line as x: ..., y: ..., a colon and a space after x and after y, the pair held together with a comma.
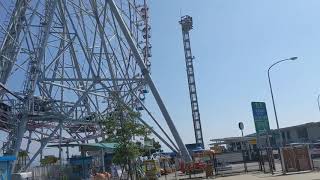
x: 186, y: 24
x: 65, y: 65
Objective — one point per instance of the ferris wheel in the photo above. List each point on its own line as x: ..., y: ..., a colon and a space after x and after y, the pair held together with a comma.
x: 65, y: 64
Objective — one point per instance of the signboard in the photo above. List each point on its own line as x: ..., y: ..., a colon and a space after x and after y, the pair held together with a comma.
x: 260, y: 117
x: 241, y: 126
x: 252, y: 141
x: 148, y: 143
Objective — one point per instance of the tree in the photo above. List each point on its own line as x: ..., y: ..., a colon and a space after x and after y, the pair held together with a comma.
x: 147, y: 151
x: 47, y: 160
x: 121, y: 126
x: 157, y: 146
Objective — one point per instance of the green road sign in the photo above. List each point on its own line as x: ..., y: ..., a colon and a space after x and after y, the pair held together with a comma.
x: 260, y: 117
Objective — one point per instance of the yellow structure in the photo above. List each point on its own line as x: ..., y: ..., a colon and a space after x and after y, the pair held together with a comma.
x: 152, y: 169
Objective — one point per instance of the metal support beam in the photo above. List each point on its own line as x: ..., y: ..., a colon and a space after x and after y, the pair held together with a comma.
x: 43, y: 145
x: 32, y: 80
x: 10, y: 45
x: 158, y: 135
x: 154, y: 120
x: 146, y: 74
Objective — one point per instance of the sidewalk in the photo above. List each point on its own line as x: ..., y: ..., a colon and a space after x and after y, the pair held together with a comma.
x: 259, y: 176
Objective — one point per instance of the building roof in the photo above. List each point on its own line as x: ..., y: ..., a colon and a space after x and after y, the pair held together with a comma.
x: 8, y: 158
x: 107, y: 147
x: 310, y: 124
x: 99, y: 146
x: 229, y: 140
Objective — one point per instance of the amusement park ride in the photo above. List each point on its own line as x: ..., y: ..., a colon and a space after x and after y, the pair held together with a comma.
x: 65, y: 65
x: 186, y: 25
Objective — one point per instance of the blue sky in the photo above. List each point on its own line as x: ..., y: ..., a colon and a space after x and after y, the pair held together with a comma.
x: 234, y: 43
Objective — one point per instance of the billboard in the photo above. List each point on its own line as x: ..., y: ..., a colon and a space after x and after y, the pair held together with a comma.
x: 260, y: 117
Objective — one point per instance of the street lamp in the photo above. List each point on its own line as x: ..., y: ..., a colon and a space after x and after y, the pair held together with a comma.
x: 274, y: 106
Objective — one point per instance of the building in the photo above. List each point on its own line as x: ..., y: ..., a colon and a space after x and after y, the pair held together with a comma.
x: 303, y: 133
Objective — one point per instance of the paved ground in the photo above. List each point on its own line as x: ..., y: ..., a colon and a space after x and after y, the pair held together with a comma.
x: 257, y: 176
x: 300, y: 176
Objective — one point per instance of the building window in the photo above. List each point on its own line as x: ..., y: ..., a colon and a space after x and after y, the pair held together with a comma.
x: 302, y: 133
x: 283, y: 135
x: 288, y: 135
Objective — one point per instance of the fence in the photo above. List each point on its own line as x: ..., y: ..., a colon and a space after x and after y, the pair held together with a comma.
x: 50, y: 172
x: 315, y: 157
x: 296, y: 159
x: 238, y: 162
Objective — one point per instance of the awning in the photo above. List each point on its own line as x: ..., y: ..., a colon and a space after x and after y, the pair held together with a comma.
x: 107, y: 147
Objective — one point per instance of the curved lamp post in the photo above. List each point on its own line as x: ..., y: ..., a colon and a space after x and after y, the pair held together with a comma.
x: 274, y: 106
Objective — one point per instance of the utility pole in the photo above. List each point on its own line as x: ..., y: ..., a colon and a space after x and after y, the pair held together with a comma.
x: 186, y: 24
